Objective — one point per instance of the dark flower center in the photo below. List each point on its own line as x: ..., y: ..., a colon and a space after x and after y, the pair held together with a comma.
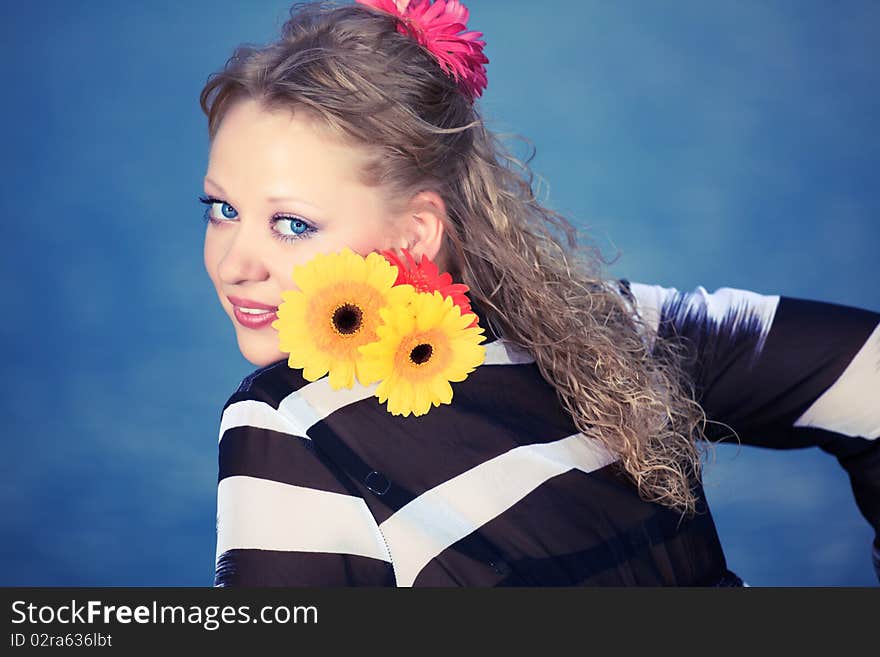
x: 347, y: 319
x: 421, y: 353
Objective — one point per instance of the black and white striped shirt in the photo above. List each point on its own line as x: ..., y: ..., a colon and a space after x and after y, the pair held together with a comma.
x: 319, y: 487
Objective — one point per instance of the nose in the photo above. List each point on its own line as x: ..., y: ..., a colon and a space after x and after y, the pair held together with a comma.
x: 243, y: 259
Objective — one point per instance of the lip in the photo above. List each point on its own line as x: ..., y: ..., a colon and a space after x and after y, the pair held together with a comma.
x: 252, y: 321
x: 248, y: 303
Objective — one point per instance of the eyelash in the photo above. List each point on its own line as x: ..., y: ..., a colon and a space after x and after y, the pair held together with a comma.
x: 208, y: 218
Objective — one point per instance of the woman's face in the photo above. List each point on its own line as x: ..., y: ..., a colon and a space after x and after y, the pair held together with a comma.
x: 282, y: 191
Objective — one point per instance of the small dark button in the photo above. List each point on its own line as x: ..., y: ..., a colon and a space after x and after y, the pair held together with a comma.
x: 377, y: 482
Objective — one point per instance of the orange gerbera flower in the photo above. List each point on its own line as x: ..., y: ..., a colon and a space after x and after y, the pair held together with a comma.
x: 425, y: 276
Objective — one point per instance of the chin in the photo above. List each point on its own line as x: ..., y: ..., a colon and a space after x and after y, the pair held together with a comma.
x: 259, y: 352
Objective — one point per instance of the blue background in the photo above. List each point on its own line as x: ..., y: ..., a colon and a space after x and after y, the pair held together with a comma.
x: 715, y: 144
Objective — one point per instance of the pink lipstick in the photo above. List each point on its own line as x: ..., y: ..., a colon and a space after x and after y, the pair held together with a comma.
x: 253, y: 314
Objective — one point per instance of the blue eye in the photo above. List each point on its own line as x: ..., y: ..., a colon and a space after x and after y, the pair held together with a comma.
x: 226, y: 210
x: 296, y: 226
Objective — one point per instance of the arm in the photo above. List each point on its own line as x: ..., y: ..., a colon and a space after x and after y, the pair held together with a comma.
x: 285, y: 516
x: 782, y: 372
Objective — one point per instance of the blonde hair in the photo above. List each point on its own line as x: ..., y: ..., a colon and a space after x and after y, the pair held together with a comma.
x: 538, y: 287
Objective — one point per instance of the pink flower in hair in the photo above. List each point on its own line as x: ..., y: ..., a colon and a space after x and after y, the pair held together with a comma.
x: 438, y: 27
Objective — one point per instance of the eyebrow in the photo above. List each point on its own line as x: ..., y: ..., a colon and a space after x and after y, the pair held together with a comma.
x: 271, y: 199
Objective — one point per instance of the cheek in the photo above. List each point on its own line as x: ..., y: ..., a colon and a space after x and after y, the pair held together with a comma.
x: 211, y: 255
x: 373, y: 235
x: 281, y: 262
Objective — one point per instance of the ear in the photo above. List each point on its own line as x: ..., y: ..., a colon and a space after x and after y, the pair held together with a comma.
x: 422, y: 225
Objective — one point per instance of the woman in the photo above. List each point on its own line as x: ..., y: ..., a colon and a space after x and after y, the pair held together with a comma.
x: 571, y: 456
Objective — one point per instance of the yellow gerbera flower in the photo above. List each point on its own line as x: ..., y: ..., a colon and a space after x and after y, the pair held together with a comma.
x: 335, y: 311
x: 422, y: 346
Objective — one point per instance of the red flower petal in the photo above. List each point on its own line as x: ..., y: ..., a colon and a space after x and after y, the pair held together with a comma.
x: 425, y: 276
x: 439, y: 26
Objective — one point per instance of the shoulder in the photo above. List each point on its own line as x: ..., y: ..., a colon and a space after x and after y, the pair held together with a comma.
x: 723, y: 309
x: 269, y: 384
